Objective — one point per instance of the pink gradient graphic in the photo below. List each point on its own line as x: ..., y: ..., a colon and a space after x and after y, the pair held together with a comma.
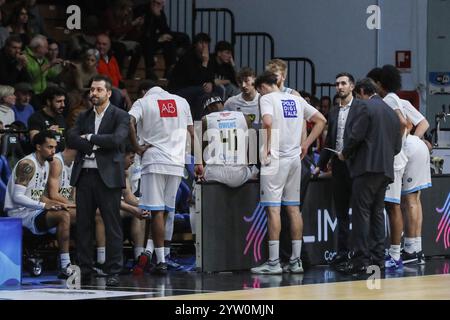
x: 444, y: 224
x: 257, y: 231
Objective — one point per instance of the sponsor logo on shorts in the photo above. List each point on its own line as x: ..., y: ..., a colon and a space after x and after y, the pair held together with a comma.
x: 289, y: 108
x: 167, y: 108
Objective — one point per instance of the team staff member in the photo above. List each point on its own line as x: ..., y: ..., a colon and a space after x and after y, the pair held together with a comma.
x: 99, y: 136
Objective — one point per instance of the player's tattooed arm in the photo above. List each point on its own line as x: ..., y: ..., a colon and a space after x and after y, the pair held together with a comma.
x: 25, y: 172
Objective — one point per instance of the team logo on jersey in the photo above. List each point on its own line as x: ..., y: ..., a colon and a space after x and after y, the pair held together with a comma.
x: 289, y: 108
x: 409, y: 180
x: 167, y: 108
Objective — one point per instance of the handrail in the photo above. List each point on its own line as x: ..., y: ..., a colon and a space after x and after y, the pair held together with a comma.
x: 325, y: 86
x: 257, y: 54
x: 215, y: 15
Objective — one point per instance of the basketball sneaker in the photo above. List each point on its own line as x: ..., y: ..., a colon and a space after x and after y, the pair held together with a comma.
x: 294, y: 266
x: 269, y: 267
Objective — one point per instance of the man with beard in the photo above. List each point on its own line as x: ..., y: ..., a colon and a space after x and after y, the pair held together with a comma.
x: 24, y: 197
x: 340, y: 120
x: 51, y: 116
x: 99, y: 136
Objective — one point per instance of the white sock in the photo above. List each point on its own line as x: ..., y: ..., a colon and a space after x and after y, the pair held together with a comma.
x: 101, y: 255
x: 166, y: 251
x: 137, y: 252
x: 150, y: 247
x: 274, y: 250
x: 418, y: 244
x: 410, y: 244
x: 160, y: 255
x: 296, y: 249
x: 65, y: 259
x: 394, y: 252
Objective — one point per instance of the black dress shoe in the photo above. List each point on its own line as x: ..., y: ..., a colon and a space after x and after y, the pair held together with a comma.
x: 355, y: 268
x: 112, y: 281
x: 339, y: 259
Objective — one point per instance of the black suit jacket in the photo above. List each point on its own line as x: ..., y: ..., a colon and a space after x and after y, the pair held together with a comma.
x: 374, y: 139
x: 330, y: 140
x: 110, y: 139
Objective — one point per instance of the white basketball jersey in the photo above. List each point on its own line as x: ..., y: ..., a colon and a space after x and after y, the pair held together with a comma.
x: 65, y: 189
x: 35, y: 188
x: 393, y: 101
x: 288, y: 112
x: 227, y: 138
x: 162, y: 119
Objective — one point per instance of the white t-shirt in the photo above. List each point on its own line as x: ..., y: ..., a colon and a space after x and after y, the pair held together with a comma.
x: 162, y: 119
x: 226, y: 135
x: 237, y: 103
x: 393, y: 101
x: 288, y: 112
x: 411, y: 113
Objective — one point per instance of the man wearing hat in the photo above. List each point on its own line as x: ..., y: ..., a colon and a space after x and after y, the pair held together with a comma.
x: 7, y: 101
x: 226, y: 153
x: 23, y: 109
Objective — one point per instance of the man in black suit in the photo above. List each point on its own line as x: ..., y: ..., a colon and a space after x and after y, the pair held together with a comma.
x: 99, y: 135
x: 340, y: 119
x: 369, y: 148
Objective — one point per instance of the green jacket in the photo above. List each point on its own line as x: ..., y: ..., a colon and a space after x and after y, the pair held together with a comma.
x: 34, y: 69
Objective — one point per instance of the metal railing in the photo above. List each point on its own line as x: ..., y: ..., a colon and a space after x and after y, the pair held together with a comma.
x: 253, y: 49
x: 325, y: 89
x: 181, y: 15
x: 217, y: 22
x: 301, y: 74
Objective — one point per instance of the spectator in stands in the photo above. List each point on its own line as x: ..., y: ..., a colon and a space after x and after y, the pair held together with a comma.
x: 193, y: 78
x: 38, y: 66
x: 124, y: 32
x: 325, y: 104
x: 23, y: 109
x: 50, y: 117
x: 35, y: 21
x: 247, y: 101
x: 336, y: 100
x: 7, y: 102
x: 57, y: 63
x: 306, y: 96
x: 75, y: 78
x: 280, y: 68
x: 24, y: 198
x: 18, y: 24
x: 156, y: 36
x: 108, y: 66
x: 222, y: 64
x: 81, y: 42
x: 4, y: 32
x: 83, y: 105
x: 13, y: 62
x: 229, y: 168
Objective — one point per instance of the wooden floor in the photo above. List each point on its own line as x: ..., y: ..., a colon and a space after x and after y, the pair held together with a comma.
x: 433, y: 287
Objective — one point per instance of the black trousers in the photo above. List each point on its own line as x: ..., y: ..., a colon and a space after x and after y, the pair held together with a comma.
x: 342, y: 191
x: 367, y: 217
x: 92, y: 193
